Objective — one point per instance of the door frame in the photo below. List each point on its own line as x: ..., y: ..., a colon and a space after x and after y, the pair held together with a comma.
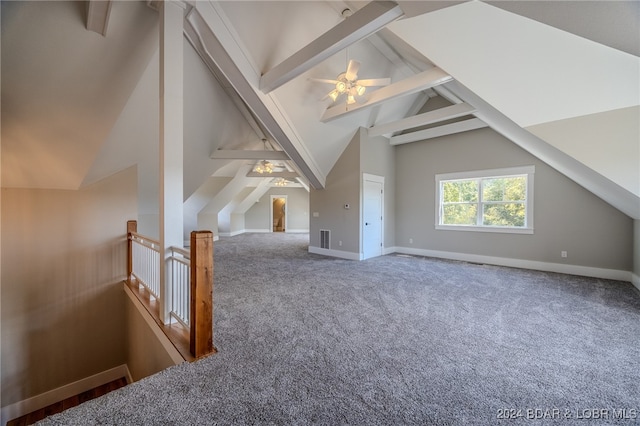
x: 380, y: 180
x: 286, y: 214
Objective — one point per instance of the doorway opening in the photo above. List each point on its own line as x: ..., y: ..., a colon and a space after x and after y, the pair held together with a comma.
x: 278, y: 214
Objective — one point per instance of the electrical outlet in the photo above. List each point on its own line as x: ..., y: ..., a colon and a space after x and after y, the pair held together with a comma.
x: 340, y: 243
x: 410, y: 240
x: 563, y: 253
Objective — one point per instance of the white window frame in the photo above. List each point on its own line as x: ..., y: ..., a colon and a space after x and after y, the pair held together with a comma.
x: 527, y: 171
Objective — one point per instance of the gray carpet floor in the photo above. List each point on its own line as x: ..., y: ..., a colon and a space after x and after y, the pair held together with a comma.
x: 307, y: 339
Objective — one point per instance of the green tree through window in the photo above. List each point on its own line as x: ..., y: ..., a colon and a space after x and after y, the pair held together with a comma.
x: 485, y: 201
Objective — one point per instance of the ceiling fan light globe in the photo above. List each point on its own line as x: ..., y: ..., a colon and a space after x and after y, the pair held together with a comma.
x: 341, y: 86
x: 334, y: 95
x: 360, y: 90
x: 351, y: 100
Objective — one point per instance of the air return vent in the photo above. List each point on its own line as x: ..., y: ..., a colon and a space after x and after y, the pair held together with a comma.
x: 325, y: 238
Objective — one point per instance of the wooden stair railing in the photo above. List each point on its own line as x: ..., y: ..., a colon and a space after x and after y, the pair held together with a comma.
x: 201, y: 338
x: 201, y: 281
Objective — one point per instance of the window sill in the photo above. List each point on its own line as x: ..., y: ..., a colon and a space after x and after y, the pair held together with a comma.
x: 485, y: 229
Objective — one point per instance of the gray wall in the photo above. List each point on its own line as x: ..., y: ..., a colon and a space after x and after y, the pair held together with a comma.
x: 566, y: 216
x: 257, y: 217
x: 377, y: 157
x: 342, y: 187
x: 63, y: 261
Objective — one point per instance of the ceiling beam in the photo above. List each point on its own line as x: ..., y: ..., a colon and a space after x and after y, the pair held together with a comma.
x: 366, y: 21
x: 253, y: 197
x: 436, y: 116
x: 286, y: 175
x: 208, y: 31
x: 422, y: 81
x: 98, y: 12
x: 229, y: 154
x: 434, y: 132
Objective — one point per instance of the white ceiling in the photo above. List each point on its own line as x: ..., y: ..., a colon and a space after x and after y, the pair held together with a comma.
x: 540, y: 65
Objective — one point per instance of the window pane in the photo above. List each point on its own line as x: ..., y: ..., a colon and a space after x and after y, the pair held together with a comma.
x: 459, y: 214
x: 504, y: 189
x: 509, y: 214
x: 460, y: 191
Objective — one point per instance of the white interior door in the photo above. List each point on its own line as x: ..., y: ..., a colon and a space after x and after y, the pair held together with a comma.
x: 372, y: 215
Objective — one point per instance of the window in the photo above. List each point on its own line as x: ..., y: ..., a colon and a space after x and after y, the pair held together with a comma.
x: 489, y: 200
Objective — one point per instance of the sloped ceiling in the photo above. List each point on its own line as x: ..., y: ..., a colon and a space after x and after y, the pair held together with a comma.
x: 565, y: 73
x: 63, y: 87
x: 578, y: 95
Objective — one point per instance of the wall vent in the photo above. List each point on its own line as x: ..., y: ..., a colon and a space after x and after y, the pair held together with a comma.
x: 325, y: 238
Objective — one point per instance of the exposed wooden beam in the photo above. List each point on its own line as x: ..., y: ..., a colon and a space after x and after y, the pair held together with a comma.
x: 98, y: 12
x: 436, y: 116
x: 228, y: 154
x: 434, y: 132
x: 286, y: 175
x: 366, y: 21
x: 424, y: 80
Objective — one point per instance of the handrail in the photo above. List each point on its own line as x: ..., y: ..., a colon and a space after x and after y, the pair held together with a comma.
x: 144, y: 240
x: 146, y: 262
x: 184, y: 253
x: 189, y: 282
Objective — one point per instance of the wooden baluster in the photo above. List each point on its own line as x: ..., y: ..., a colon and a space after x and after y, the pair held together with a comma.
x: 201, y: 316
x: 132, y: 226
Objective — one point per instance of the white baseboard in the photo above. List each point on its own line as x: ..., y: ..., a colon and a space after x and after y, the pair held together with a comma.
x: 232, y: 234
x: 635, y: 280
x: 45, y: 399
x: 335, y: 253
x: 261, y: 231
x: 389, y: 250
x: 588, y: 271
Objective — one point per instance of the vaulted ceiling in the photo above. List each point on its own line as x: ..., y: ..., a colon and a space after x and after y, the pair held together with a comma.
x: 560, y: 79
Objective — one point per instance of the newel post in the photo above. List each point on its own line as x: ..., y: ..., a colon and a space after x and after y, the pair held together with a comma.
x: 132, y: 226
x: 201, y: 338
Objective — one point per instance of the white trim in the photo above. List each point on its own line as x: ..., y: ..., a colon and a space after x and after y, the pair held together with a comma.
x: 389, y: 250
x: 588, y: 271
x: 507, y: 171
x: 335, y: 253
x: 173, y: 353
x: 377, y: 179
x: 232, y: 234
x: 259, y: 231
x: 215, y: 238
x: 497, y: 229
x: 635, y: 280
x: 45, y: 399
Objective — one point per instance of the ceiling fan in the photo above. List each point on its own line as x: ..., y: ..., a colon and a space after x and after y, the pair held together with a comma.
x: 347, y: 83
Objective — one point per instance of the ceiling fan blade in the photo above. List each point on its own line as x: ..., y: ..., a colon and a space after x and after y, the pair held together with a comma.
x: 375, y: 82
x: 352, y: 70
x: 323, y: 80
